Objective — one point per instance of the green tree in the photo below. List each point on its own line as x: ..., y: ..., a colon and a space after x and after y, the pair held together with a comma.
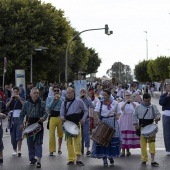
x: 140, y: 71
x: 120, y: 71
x: 151, y: 71
x: 93, y: 61
x: 25, y: 24
x: 161, y: 65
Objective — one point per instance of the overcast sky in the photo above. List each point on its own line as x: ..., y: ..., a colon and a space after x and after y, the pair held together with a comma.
x: 128, y: 19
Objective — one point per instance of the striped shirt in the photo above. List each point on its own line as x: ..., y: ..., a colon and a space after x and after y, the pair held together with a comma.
x: 38, y: 112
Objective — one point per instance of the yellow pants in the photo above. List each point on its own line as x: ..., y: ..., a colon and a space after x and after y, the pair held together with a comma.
x: 143, y: 145
x: 54, y: 122
x: 74, y: 145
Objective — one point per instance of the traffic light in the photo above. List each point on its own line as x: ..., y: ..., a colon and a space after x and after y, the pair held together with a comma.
x: 106, y: 29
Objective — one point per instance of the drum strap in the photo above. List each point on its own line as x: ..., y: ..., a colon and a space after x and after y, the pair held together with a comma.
x: 65, y: 104
x: 101, y: 111
x: 26, y: 123
x: 145, y: 113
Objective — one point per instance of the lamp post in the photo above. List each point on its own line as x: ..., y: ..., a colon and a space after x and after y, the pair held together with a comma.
x: 146, y: 45
x: 31, y: 62
x: 107, y: 32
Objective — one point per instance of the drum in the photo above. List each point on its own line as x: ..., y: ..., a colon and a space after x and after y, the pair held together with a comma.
x: 149, y: 130
x: 103, y: 134
x: 71, y: 129
x: 32, y: 129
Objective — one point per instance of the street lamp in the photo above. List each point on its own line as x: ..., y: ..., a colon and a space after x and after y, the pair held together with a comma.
x: 107, y: 32
x: 146, y: 45
x: 35, y: 49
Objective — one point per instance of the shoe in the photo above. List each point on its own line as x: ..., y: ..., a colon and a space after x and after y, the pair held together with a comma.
x: 51, y: 154
x: 88, y: 153
x: 1, y: 161
x: 14, y: 153
x: 70, y: 163
x: 105, y: 164
x: 79, y: 163
x: 59, y: 152
x: 38, y: 165
x: 168, y: 153
x: 128, y: 154
x: 122, y: 154
x: 32, y: 163
x: 19, y: 154
x: 111, y: 161
x: 154, y: 164
x: 143, y: 163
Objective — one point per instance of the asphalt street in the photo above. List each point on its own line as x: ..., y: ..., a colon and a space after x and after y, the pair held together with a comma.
x: 58, y: 162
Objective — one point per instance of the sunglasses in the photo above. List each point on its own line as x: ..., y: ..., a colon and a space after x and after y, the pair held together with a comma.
x: 56, y: 90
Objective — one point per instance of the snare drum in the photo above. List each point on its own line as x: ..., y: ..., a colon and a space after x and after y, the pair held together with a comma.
x: 32, y: 129
x: 71, y: 129
x: 149, y: 130
x: 103, y: 134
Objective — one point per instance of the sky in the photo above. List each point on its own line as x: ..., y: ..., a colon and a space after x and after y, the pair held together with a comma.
x: 129, y: 20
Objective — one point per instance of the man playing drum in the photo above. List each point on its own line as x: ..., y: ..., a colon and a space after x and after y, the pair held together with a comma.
x: 145, y: 114
x: 35, y: 112
x: 75, y: 111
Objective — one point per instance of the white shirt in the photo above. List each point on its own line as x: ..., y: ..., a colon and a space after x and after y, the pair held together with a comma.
x: 105, y: 112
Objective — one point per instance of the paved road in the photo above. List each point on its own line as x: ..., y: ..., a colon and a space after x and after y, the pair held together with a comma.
x: 132, y: 162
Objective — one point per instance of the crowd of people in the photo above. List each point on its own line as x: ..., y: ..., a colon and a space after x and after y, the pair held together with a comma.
x: 122, y: 108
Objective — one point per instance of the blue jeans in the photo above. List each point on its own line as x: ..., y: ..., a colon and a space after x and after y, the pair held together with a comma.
x: 166, y: 131
x: 35, y: 146
x: 1, y: 142
x: 86, y: 134
x: 15, y: 132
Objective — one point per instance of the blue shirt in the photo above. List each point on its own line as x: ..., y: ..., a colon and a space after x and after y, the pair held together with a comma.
x: 18, y: 105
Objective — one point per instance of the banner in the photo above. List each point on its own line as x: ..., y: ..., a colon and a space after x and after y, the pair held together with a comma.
x: 78, y: 84
x: 20, y: 77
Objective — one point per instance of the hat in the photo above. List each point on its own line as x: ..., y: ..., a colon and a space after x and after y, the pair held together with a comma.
x: 21, y: 85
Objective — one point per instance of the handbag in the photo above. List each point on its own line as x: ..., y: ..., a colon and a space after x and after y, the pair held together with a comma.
x: 138, y: 131
x: 10, y: 117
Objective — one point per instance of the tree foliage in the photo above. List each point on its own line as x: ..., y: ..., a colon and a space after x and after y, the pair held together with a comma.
x: 120, y: 71
x: 140, y: 71
x: 160, y: 65
x: 25, y: 24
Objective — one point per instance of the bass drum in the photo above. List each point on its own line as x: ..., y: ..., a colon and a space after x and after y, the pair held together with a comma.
x: 103, y: 134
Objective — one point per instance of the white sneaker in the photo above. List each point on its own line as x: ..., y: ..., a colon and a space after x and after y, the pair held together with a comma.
x: 14, y: 153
